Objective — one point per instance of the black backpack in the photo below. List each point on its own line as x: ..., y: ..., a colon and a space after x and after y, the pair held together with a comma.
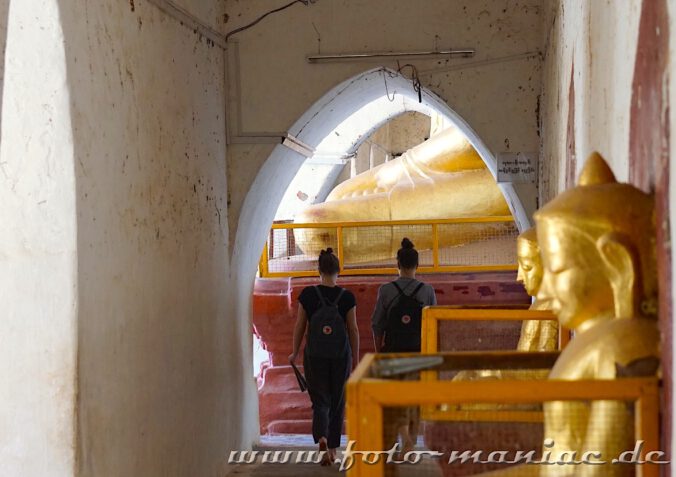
x: 327, y: 334
x: 404, y: 322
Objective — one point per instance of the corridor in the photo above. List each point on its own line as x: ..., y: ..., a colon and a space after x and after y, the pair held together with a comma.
x: 170, y: 171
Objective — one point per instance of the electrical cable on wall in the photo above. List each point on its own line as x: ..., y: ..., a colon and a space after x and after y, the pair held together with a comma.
x: 387, y: 91
x: 415, y: 79
x: 417, y: 87
x: 257, y: 20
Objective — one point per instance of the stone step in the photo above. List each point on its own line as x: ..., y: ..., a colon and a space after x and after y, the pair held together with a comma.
x: 279, y: 379
x: 290, y: 405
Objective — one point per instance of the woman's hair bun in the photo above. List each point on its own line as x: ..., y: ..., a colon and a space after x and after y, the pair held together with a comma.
x: 328, y: 262
x: 406, y: 243
x: 407, y: 255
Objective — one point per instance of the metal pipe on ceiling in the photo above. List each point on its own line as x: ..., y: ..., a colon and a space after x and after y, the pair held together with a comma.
x: 463, y: 53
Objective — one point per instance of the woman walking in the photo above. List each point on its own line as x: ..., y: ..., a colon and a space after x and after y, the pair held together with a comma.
x: 328, y: 313
x: 396, y: 323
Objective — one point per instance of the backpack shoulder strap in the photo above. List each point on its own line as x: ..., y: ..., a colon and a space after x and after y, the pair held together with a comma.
x: 396, y: 285
x: 340, y: 295
x: 322, y: 300
x: 394, y: 300
x: 417, y: 289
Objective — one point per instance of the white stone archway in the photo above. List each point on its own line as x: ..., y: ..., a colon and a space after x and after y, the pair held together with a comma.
x: 379, y: 94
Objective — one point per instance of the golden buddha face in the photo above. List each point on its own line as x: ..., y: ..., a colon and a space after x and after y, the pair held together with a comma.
x: 530, y: 265
x: 597, y: 244
x: 574, y: 284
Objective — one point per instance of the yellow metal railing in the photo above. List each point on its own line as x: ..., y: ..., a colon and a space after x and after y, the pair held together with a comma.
x: 368, y: 395
x: 297, y: 255
x: 434, y: 315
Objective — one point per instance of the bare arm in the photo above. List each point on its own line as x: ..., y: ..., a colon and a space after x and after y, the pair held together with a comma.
x: 353, y: 332
x: 298, y: 332
x: 378, y: 342
x: 378, y: 323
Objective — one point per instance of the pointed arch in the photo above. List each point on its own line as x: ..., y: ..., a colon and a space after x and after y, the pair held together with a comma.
x: 379, y: 94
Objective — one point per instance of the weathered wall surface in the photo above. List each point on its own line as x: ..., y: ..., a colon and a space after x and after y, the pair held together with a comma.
x: 38, y: 247
x: 496, y: 92
x: 592, y: 44
x: 671, y: 228
x: 162, y: 369
x: 608, y: 72
x: 392, y: 139
x: 114, y: 247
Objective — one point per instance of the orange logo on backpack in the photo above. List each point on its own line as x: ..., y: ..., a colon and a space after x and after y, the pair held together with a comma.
x: 406, y: 319
x: 327, y: 330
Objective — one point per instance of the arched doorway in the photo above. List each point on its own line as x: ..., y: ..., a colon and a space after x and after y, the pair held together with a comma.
x: 356, y: 108
x: 368, y: 100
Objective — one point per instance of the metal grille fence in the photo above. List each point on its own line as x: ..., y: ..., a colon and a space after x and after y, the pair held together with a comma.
x: 494, y: 417
x: 370, y: 248
x: 452, y: 328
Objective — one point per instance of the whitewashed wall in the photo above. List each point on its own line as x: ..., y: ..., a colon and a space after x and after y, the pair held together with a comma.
x: 595, y: 44
x: 598, y: 41
x: 38, y: 248
x: 122, y: 353
x: 272, y: 85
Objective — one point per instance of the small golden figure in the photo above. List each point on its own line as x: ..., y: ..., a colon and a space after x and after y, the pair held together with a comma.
x: 536, y: 335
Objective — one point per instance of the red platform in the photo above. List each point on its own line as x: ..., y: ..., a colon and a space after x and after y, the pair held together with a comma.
x: 283, y: 408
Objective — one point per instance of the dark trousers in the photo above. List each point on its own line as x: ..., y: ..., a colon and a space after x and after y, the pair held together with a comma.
x: 326, y: 384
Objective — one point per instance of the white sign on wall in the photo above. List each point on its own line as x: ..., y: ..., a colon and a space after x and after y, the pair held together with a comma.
x: 517, y: 167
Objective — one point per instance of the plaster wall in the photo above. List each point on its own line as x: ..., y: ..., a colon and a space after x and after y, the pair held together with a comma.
x: 163, y: 362
x: 394, y: 138
x: 123, y: 352
x: 399, y: 135
x: 594, y: 44
x: 38, y: 247
x: 496, y: 92
x: 671, y: 6
x: 312, y: 184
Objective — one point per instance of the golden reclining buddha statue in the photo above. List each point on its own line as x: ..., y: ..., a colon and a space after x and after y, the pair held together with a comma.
x: 443, y: 177
x: 597, y: 245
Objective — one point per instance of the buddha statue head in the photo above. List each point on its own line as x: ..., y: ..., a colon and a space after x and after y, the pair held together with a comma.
x: 597, y: 243
x: 530, y: 265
